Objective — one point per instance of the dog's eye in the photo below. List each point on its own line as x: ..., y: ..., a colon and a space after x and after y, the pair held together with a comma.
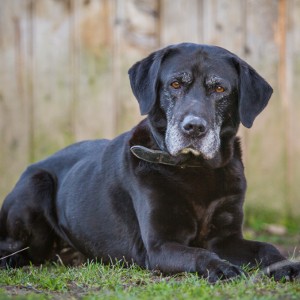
x: 175, y: 85
x: 219, y: 89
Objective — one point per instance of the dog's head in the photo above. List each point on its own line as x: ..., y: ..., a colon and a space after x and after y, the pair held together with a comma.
x: 194, y: 93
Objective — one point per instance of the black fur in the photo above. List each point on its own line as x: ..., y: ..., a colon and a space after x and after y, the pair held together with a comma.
x: 100, y: 199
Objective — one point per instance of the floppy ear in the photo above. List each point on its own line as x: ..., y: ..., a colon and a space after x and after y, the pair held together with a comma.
x: 254, y: 94
x: 143, y: 77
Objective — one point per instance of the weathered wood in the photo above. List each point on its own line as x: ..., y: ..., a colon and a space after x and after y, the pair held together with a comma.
x: 223, y: 24
x: 293, y: 104
x: 264, y: 152
x: 64, y: 77
x: 16, y: 108
x: 132, y: 42
x: 179, y: 21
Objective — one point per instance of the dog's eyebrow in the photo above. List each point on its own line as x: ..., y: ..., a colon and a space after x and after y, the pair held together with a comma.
x: 214, y: 80
x: 184, y: 76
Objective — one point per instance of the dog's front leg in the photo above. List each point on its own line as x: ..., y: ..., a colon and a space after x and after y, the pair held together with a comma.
x: 169, y: 228
x: 243, y: 252
x: 172, y: 257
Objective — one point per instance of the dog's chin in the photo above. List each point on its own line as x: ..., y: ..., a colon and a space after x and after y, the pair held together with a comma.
x: 195, y: 152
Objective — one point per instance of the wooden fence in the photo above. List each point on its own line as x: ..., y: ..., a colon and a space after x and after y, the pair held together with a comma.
x: 63, y: 77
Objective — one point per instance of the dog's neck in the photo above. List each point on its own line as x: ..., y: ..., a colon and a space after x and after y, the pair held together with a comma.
x: 162, y: 156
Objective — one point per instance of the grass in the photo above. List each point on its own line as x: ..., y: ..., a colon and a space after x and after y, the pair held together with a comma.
x: 96, y: 281
x: 257, y: 217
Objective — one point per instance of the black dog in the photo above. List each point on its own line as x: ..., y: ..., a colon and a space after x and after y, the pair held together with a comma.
x: 169, y: 193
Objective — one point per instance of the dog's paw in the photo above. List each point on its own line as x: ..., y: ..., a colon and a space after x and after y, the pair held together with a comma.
x: 222, y: 270
x: 284, y: 271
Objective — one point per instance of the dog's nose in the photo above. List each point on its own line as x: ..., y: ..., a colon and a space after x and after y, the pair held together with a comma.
x: 194, y: 126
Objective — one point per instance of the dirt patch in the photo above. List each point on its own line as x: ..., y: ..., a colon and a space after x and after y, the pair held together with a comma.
x: 74, y: 292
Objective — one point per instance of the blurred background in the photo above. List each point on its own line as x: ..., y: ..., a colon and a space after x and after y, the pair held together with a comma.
x: 63, y: 78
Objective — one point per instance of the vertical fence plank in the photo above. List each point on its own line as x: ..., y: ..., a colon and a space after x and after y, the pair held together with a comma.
x: 284, y: 78
x: 95, y: 114
x: 15, y: 90
x: 293, y: 81
x: 179, y: 21
x: 223, y: 24
x: 53, y: 80
x: 135, y: 35
x: 265, y: 153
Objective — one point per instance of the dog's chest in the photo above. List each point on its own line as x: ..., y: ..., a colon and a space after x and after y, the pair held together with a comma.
x: 212, y: 221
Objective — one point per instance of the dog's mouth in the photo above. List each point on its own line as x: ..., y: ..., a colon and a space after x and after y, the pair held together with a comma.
x: 206, y: 146
x: 197, y: 152
x: 190, y: 150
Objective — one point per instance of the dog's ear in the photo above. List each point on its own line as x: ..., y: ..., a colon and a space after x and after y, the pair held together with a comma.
x: 254, y: 93
x: 143, y: 77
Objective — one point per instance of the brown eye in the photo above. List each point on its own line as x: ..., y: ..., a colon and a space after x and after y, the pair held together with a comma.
x: 175, y: 85
x: 219, y: 89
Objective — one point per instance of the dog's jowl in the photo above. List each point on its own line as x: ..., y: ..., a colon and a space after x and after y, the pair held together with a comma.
x: 166, y: 195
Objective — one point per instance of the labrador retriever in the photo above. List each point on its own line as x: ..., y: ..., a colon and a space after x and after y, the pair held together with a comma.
x: 166, y: 195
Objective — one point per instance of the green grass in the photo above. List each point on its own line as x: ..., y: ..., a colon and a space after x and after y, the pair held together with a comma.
x: 96, y: 281
x: 257, y: 217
